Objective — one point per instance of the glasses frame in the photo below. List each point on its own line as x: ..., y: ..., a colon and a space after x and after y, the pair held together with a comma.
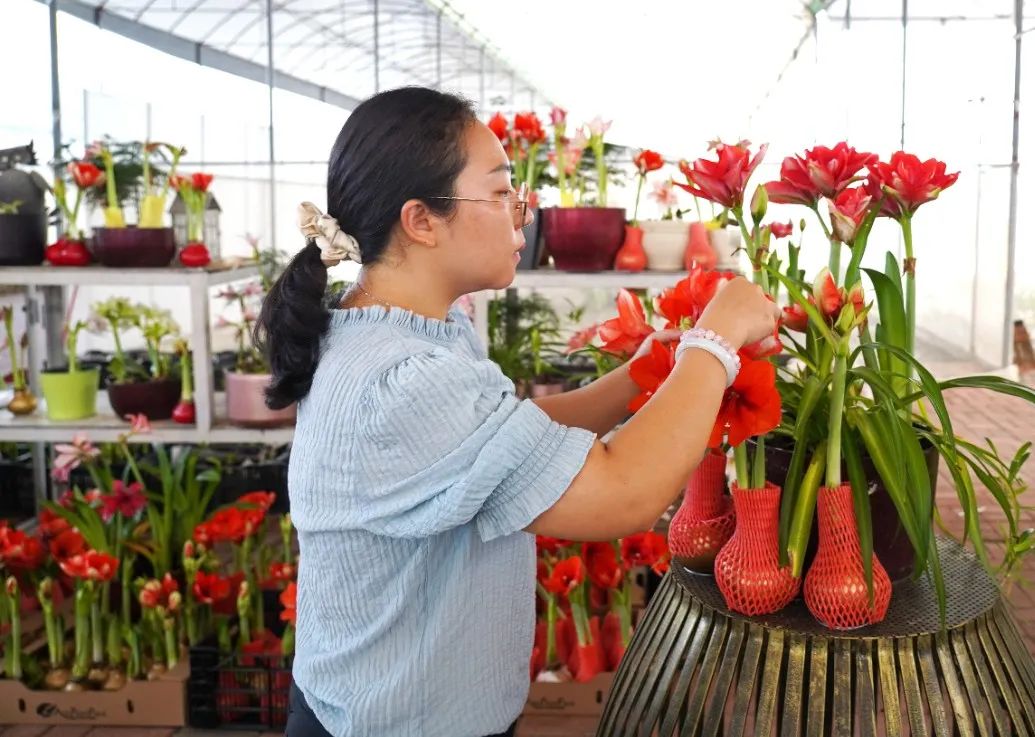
x: 520, y: 204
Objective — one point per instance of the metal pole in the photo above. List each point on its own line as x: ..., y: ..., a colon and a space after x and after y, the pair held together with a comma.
x: 55, y: 88
x: 1011, y: 238
x: 377, y: 46
x: 438, y: 50
x: 269, y: 84
x: 905, y: 22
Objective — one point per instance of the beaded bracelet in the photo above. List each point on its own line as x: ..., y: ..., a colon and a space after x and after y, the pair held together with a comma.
x: 710, y: 341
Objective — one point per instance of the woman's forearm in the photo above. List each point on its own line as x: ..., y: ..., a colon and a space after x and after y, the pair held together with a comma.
x: 597, y: 407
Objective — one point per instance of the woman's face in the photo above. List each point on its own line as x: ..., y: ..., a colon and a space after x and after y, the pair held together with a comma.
x: 481, y: 242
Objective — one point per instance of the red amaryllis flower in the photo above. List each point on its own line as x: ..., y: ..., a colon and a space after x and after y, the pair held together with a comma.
x: 586, y: 661
x: 827, y: 295
x: 676, y: 304
x: 722, y: 181
x: 764, y: 348
x: 750, y: 407
x: 201, y: 181
x: 644, y: 549
x: 528, y: 127
x: 91, y: 565
x: 821, y: 172
x: 582, y: 338
x: 603, y: 565
x: 230, y: 524
x: 51, y: 523
x: 263, y: 645
x: 551, y: 545
x: 281, y: 572
x: 847, y: 212
x: 288, y: 600
x: 624, y: 334
x: 155, y: 593
x: 67, y: 544
x: 650, y: 371
x: 210, y: 588
x: 795, y: 318
x: 906, y: 183
x: 20, y: 552
x: 566, y: 576
x: 781, y: 230
x: 261, y: 499
x: 648, y: 160
x: 126, y: 500
x: 85, y: 174
x: 498, y: 125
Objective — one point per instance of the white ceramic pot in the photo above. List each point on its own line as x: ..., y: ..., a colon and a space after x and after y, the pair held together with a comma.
x: 726, y: 242
x: 664, y: 242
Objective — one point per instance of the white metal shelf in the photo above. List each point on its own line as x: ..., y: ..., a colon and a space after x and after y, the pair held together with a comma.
x: 547, y: 278
x: 105, y: 427
x: 174, y: 276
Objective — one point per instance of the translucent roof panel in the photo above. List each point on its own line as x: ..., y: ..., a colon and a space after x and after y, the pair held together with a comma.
x: 351, y: 48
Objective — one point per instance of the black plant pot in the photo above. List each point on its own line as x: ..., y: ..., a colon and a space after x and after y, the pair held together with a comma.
x: 532, y: 253
x: 17, y: 493
x: 890, y: 541
x: 23, y: 237
x: 244, y: 471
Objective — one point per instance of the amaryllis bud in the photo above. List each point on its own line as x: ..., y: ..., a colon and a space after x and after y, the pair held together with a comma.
x: 759, y: 204
x: 827, y: 295
x: 558, y: 116
x: 795, y: 318
x: 175, y: 599
x: 188, y: 549
x: 12, y: 586
x: 781, y: 230
x: 857, y: 299
x: 285, y: 524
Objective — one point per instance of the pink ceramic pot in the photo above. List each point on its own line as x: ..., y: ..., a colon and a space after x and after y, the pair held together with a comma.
x: 246, y: 402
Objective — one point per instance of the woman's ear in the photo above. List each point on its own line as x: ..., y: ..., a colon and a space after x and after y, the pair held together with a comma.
x: 418, y: 223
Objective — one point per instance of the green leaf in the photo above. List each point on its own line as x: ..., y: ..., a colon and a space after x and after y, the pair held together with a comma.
x: 804, y: 510
x: 893, y: 330
x: 893, y: 271
x: 861, y: 499
x: 939, y: 581
x: 992, y: 383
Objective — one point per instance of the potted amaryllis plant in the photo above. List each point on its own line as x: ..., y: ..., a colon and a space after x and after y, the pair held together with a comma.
x: 70, y: 392
x: 526, y: 147
x: 153, y: 199
x: 246, y: 382
x: 195, y: 195
x: 858, y: 404
x: 152, y: 391
x: 23, y: 402
x: 129, y: 177
x: 664, y: 241
x: 70, y: 249
x: 582, y: 238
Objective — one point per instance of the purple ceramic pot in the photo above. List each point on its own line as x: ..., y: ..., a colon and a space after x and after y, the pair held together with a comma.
x: 155, y: 399
x: 583, y: 238
x: 246, y: 402
x: 133, y: 247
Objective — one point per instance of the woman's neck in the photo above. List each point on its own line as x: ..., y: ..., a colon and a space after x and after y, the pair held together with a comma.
x: 393, y: 288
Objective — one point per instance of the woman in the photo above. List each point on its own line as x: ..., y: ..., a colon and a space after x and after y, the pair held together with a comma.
x: 416, y: 475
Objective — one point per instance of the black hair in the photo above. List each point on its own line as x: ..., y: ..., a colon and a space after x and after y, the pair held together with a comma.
x: 396, y: 146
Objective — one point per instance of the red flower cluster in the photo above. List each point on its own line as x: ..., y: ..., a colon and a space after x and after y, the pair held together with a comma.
x: 722, y: 181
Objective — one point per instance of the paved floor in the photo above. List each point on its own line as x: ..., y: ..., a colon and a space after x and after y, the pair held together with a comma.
x: 1007, y: 421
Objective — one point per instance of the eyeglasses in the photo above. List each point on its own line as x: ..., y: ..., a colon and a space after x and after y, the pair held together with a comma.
x: 520, y: 205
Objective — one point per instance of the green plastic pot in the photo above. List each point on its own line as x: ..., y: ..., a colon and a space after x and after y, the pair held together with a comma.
x: 70, y: 396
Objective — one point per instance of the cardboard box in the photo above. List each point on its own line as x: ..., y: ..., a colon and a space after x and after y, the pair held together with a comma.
x: 569, y: 698
x: 158, y: 703
x: 553, y: 726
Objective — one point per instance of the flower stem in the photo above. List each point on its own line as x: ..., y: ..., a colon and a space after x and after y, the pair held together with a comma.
x: 758, y: 465
x: 910, y: 274
x: 639, y: 189
x: 623, y: 603
x: 837, y: 408
x: 127, y: 577
x: 740, y: 460
x: 760, y: 276
x: 96, y: 631
x: 82, y: 630
x: 172, y: 650
x: 15, y: 655
x: 551, y: 635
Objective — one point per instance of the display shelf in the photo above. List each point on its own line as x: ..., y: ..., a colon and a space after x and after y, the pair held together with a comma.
x: 105, y: 427
x: 545, y: 278
x: 59, y: 276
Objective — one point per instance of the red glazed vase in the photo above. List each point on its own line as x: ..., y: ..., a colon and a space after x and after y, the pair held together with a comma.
x: 835, y: 586
x: 747, y: 569
x: 705, y: 520
x: 631, y: 256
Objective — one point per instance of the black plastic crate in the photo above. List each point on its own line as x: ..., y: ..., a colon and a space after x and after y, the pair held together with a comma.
x: 17, y: 491
x: 237, y: 692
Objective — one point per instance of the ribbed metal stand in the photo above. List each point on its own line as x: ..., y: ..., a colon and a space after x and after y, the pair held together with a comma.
x: 695, y: 668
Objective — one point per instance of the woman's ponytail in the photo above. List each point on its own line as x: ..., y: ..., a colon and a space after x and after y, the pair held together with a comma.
x: 291, y: 323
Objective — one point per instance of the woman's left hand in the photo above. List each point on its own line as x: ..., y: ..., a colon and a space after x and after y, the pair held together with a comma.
x: 662, y: 336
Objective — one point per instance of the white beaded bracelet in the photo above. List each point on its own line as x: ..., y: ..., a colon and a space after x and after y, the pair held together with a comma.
x: 715, y: 344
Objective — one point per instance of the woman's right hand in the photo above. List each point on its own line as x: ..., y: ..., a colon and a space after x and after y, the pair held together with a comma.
x: 740, y: 312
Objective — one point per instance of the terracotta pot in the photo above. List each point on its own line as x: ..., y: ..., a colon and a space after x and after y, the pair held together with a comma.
x: 747, y: 569
x: 133, y: 247
x: 154, y: 399
x: 705, y: 520
x: 699, y: 248
x: 583, y: 238
x: 835, y: 586
x: 246, y: 402
x: 665, y: 243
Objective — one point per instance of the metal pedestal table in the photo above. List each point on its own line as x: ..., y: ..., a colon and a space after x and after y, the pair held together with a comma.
x: 695, y: 668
